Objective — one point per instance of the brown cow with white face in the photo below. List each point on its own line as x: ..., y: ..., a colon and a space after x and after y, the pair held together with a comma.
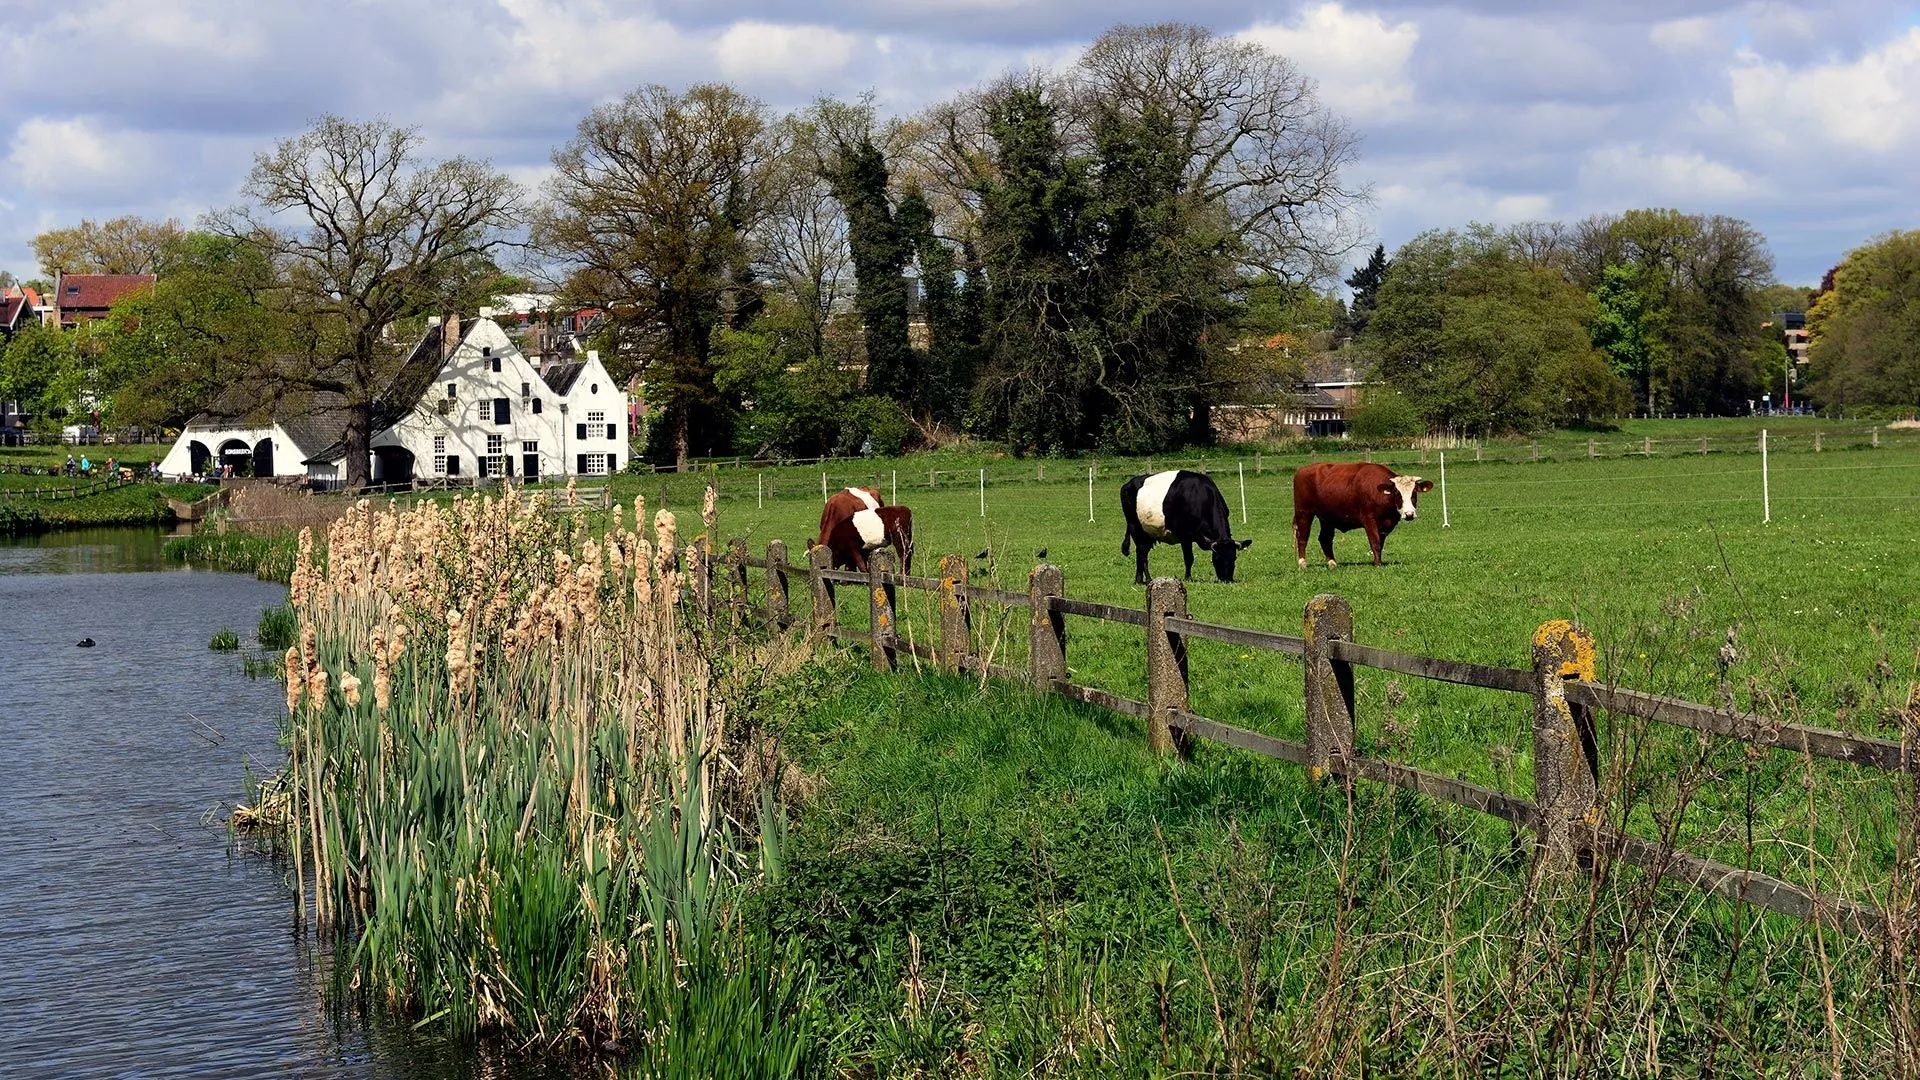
x: 1352, y: 495
x: 852, y: 540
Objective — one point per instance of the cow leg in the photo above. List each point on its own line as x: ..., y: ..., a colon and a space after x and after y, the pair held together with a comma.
x: 1302, y: 525
x: 1141, y: 545
x: 1326, y: 540
x: 1375, y: 540
x: 1186, y: 549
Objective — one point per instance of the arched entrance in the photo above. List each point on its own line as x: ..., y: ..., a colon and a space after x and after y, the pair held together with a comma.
x: 392, y: 465
x: 263, y: 458
x: 237, y: 453
x: 197, y: 456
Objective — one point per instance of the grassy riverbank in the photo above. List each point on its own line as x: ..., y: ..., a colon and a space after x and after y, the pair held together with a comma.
x: 33, y: 504
x: 269, y: 557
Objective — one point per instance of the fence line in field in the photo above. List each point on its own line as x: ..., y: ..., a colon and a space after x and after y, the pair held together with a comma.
x: 1564, y: 813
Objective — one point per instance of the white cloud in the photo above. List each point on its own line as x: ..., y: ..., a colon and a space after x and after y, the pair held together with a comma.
x: 1865, y: 104
x: 1359, y: 58
x: 64, y: 158
x: 800, y: 56
x: 1630, y: 171
x: 1685, y: 35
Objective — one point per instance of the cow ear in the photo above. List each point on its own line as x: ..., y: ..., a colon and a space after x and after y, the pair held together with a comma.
x: 1385, y: 489
x: 1245, y: 544
x: 1424, y: 485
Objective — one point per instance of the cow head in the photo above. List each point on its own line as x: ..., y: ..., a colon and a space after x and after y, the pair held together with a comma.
x: 1405, y: 491
x: 1225, y: 554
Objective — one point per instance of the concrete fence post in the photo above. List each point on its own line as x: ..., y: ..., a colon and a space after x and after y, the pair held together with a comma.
x: 1046, y: 628
x: 1646, y: 446
x: 1876, y: 438
x: 1703, y: 445
x: 1816, y: 442
x: 1166, y: 662
x: 825, y: 619
x: 956, y: 615
x: 1329, y: 685
x: 881, y: 628
x: 1536, y: 451
x: 779, y: 608
x: 1565, y: 759
x: 1590, y: 453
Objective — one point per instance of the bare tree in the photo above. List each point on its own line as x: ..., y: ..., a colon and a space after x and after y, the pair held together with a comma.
x: 1259, y: 145
x: 653, y: 208
x: 379, y: 233
x: 124, y: 245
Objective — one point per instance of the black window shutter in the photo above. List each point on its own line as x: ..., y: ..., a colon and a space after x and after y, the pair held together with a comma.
x: 453, y: 465
x: 480, y: 465
x: 536, y: 406
x: 613, y: 463
x: 580, y: 431
x: 501, y: 411
x: 580, y: 465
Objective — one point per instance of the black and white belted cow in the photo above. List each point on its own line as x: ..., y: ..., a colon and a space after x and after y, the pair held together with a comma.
x: 1178, y: 507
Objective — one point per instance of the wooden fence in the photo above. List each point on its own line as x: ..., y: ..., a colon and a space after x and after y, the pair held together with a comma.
x: 1564, y: 814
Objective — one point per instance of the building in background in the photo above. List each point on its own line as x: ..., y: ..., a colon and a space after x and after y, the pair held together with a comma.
x: 81, y: 298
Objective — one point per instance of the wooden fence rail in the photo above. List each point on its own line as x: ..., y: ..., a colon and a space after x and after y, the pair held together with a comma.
x: 1564, y: 814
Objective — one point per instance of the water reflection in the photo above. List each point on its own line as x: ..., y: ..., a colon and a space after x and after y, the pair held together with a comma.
x: 134, y: 940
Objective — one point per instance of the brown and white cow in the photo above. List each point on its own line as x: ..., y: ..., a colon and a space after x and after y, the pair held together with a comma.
x: 843, y: 504
x: 852, y: 539
x: 1352, y: 495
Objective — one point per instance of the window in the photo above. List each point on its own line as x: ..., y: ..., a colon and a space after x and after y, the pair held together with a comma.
x: 594, y: 389
x: 526, y: 391
x: 496, y: 463
x: 502, y: 414
x: 613, y: 463
x: 596, y: 418
x: 596, y: 464
x: 453, y: 465
x: 439, y: 455
x: 450, y: 394
x: 536, y: 406
x: 529, y: 447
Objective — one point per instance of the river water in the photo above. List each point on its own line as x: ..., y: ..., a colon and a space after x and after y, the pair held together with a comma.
x: 135, y: 940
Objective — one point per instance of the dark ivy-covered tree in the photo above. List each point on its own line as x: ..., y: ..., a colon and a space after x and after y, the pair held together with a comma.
x: 881, y: 250
x: 1365, y: 283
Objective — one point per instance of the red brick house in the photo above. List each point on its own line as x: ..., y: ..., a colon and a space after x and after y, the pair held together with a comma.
x: 79, y: 298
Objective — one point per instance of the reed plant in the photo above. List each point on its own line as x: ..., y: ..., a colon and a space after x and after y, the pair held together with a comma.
x: 519, y: 796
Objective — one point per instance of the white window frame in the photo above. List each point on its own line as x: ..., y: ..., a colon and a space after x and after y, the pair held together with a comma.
x: 596, y: 464
x: 496, y: 455
x: 439, y: 455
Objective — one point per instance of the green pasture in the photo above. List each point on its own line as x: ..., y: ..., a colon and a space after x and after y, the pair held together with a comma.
x: 1659, y: 558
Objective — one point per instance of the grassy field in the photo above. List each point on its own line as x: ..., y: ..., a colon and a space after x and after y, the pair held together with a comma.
x: 1662, y: 559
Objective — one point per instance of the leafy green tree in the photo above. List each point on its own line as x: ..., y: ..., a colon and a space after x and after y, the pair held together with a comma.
x: 200, y: 332
x: 1480, y: 338
x: 1865, y: 347
x: 40, y: 371
x: 124, y: 245
x: 1386, y: 414
x: 1627, y: 326
x: 881, y: 250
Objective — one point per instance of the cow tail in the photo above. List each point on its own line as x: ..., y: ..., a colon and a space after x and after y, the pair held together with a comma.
x: 1126, y: 542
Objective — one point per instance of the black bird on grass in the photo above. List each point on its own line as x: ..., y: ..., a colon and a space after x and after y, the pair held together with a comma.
x: 1041, y: 554
x: 84, y: 643
x: 984, y: 553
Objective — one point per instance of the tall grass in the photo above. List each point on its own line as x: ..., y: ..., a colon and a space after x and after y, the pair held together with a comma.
x: 519, y: 795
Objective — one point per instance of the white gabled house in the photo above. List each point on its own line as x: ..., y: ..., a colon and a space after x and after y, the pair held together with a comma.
x: 466, y: 405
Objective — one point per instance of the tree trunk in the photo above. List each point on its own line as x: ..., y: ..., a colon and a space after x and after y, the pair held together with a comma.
x: 358, y: 471
x: 680, y: 438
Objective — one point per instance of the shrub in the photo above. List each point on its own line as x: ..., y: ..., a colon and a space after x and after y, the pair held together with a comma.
x: 1384, y: 414
x: 277, y: 629
x: 875, y: 425
x: 224, y: 640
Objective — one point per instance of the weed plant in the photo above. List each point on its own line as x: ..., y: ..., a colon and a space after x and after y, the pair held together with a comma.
x: 523, y: 793
x: 224, y: 640
x: 279, y: 628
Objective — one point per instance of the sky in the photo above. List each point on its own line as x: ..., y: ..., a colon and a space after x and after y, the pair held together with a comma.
x: 1803, y: 121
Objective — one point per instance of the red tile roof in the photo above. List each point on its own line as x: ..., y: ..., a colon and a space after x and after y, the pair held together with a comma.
x: 10, y: 310
x: 97, y: 292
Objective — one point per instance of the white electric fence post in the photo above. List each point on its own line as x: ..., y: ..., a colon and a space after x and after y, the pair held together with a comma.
x: 1243, y: 493
x: 1766, y: 484
x: 1089, y: 494
x: 896, y: 485
x: 760, y: 496
x: 1444, y: 522
x: 823, y: 487
x: 983, y: 493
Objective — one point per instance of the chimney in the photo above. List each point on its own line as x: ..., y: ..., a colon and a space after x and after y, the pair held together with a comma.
x: 486, y: 313
x: 450, y: 335
x: 593, y: 356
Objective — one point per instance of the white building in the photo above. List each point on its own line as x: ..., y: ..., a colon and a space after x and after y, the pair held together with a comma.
x: 466, y: 405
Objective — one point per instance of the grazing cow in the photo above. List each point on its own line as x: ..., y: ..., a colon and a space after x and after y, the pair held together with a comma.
x: 1184, y: 508
x: 1352, y: 495
x: 868, y: 530
x: 845, y: 503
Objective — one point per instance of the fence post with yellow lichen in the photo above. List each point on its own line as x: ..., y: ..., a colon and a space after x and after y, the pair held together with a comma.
x: 956, y: 615
x: 880, y: 626
x: 1329, y: 685
x: 1565, y: 760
